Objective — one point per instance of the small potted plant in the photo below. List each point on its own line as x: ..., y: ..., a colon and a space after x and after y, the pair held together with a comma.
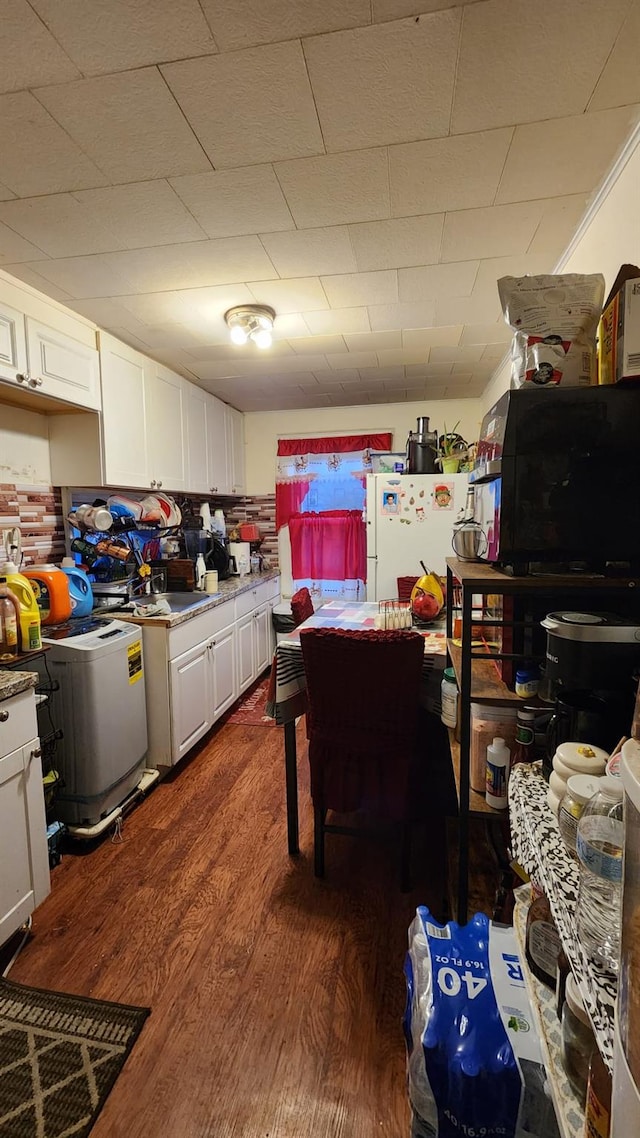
x: 452, y: 450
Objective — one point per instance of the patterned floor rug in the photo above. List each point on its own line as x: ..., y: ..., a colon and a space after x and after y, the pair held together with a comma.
x: 59, y: 1058
x: 250, y: 711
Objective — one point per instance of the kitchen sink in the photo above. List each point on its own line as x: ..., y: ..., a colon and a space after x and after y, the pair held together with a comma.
x: 178, y: 602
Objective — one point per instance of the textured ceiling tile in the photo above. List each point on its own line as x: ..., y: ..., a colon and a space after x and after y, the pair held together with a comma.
x: 155, y: 308
x: 37, y: 156
x: 453, y: 354
x: 583, y: 148
x: 492, y: 268
x: 85, y: 277
x: 304, y: 251
x: 229, y: 203
x: 30, y: 55
x: 14, y: 248
x: 458, y: 172
x: 362, y: 288
x: 401, y: 241
x: 290, y: 326
x: 61, y: 225
x: 352, y: 359
x: 289, y: 296
x: 430, y: 370
x: 192, y: 264
x: 429, y: 338
x: 116, y: 35
x: 393, y: 357
x: 493, y: 354
x: 383, y: 84
x: 434, y: 281
x: 5, y: 193
x: 29, y: 275
x: 244, y: 23
x: 386, y: 317
x: 325, y: 344
x: 480, y: 308
x: 392, y: 374
x: 373, y: 341
x: 340, y: 321
x: 264, y: 109
x: 543, y: 59
x: 497, y: 231
x: 620, y: 80
x: 336, y: 188
x: 398, y: 9
x: 346, y: 376
x: 142, y: 214
x: 486, y: 334
x: 129, y: 124
x: 559, y: 223
x: 208, y: 305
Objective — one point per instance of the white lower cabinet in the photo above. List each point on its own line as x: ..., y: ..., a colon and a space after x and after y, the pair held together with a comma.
x: 195, y: 671
x: 223, y: 670
x: 246, y: 657
x: 24, y: 857
x: 191, y: 702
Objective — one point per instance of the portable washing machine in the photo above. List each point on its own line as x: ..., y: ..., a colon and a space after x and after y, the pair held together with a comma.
x: 100, y: 707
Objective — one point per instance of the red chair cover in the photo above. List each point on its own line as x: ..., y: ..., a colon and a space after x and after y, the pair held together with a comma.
x: 301, y: 606
x: 363, y: 694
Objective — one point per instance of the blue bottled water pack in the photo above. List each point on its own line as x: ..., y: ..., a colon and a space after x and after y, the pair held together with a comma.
x: 474, y: 1064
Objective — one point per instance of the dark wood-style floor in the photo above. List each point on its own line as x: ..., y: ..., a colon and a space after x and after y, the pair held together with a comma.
x: 276, y: 999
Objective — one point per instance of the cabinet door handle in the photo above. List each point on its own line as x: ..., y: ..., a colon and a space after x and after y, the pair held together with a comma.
x: 22, y: 377
x: 36, y: 753
x: 153, y: 482
x: 158, y: 484
x: 4, y: 715
x: 35, y: 381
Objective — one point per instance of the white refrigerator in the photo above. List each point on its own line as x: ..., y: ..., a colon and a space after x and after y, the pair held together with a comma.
x: 409, y: 519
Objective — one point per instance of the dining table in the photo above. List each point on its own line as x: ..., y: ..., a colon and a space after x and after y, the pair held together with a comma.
x: 287, y: 695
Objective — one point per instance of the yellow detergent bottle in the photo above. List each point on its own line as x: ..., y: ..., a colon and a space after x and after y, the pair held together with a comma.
x: 30, y: 638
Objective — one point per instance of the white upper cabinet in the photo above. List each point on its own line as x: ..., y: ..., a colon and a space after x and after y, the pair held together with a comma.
x: 234, y: 434
x: 47, y: 360
x: 217, y: 447
x: 61, y: 367
x: 13, y: 345
x: 124, y: 415
x: 197, y: 415
x: 164, y: 400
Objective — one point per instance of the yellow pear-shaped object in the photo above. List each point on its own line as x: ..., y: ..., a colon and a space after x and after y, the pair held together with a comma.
x: 427, y: 597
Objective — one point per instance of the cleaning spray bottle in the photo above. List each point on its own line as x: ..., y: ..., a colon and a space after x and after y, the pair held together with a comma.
x: 20, y: 586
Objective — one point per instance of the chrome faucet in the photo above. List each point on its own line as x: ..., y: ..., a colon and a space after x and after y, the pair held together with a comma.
x: 137, y: 586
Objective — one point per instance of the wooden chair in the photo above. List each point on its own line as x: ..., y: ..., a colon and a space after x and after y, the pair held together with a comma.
x: 301, y: 606
x: 363, y: 694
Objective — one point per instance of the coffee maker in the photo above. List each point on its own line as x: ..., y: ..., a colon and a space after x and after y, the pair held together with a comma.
x: 592, y: 661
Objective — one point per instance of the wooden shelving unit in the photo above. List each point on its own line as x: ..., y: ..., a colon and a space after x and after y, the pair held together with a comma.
x: 475, y: 666
x: 478, y: 805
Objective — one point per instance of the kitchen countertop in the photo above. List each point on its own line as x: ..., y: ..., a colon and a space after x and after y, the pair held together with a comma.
x: 12, y: 683
x: 228, y: 589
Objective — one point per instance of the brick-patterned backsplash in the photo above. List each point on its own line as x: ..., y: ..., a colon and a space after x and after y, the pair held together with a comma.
x: 37, y: 510
x: 261, y: 510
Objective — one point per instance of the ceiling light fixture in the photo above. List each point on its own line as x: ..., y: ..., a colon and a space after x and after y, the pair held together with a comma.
x: 251, y: 322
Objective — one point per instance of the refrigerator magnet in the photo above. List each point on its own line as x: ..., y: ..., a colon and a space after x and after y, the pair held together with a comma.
x: 442, y: 496
x: 390, y: 502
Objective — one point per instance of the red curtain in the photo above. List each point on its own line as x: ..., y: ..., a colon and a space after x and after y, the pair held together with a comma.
x: 328, y: 547
x: 341, y: 444
x: 289, y: 497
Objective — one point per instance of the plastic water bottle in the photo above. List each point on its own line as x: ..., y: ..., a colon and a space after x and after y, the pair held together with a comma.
x: 599, y: 846
x: 498, y: 756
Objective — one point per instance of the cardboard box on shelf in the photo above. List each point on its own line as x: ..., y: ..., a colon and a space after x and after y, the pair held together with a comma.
x: 619, y: 331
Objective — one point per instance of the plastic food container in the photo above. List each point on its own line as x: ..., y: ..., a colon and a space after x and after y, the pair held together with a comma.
x: 580, y: 788
x: 486, y: 724
x: 527, y: 681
